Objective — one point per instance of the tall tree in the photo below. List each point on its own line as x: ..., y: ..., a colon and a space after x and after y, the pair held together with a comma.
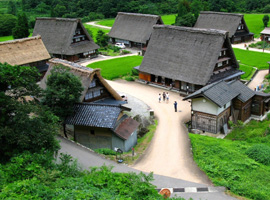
x: 12, y: 8
x: 7, y: 23
x: 63, y: 90
x: 21, y: 29
x: 265, y: 20
x: 24, y: 125
x: 102, y: 38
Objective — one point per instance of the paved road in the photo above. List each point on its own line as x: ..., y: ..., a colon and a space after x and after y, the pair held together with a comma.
x: 87, y: 158
x: 258, y: 79
x: 97, y: 25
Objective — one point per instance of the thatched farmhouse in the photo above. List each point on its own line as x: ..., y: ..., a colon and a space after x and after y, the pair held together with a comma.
x: 213, y: 105
x: 188, y: 58
x: 103, y: 126
x: 133, y: 29
x: 265, y: 35
x: 65, y: 38
x: 233, y: 23
x: 28, y: 51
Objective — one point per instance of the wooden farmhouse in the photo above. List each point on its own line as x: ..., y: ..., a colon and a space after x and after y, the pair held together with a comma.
x: 214, y: 105
x: 103, y: 126
x: 233, y: 23
x: 265, y: 35
x: 28, y: 51
x: 188, y: 58
x: 133, y: 29
x: 65, y: 38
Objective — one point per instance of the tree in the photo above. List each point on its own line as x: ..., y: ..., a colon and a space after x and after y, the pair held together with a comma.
x: 265, y: 20
x: 12, y: 8
x: 21, y: 29
x: 7, y: 23
x: 187, y: 20
x: 196, y: 7
x: 24, y: 125
x: 102, y: 39
x: 63, y: 90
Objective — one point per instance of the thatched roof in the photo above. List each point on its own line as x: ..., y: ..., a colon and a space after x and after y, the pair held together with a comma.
x: 57, y: 34
x: 85, y: 74
x: 134, y: 27
x: 266, y: 31
x: 181, y: 53
x: 220, y: 20
x: 23, y: 51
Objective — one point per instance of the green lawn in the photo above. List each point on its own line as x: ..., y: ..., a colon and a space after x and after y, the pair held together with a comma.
x: 106, y: 22
x: 94, y: 30
x: 226, y: 163
x: 6, y: 38
x: 115, y: 68
x: 252, y: 58
x: 254, y: 23
x: 249, y: 71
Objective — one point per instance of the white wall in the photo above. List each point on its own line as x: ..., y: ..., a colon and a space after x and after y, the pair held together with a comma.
x: 206, y: 106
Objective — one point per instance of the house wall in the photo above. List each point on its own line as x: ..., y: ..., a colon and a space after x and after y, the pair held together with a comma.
x: 145, y: 76
x: 206, y: 106
x: 102, y: 137
x: 244, y: 109
x: 257, y: 106
x: 124, y: 145
x: 131, y: 141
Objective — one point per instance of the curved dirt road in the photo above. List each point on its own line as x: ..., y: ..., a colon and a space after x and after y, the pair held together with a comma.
x: 169, y: 152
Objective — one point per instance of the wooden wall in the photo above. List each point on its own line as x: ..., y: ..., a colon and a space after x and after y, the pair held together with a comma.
x: 144, y: 76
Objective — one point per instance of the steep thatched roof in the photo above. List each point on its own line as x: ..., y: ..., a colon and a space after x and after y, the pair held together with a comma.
x: 220, y: 20
x: 85, y: 74
x: 134, y: 27
x: 23, y: 51
x: 181, y: 53
x: 57, y: 34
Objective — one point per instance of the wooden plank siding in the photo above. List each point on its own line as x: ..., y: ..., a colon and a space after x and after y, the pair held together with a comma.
x: 244, y: 109
x: 145, y: 76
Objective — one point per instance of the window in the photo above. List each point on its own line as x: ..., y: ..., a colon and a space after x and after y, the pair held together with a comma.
x: 93, y: 83
x: 92, y: 132
x: 225, y: 106
x: 219, y: 64
x: 77, y: 39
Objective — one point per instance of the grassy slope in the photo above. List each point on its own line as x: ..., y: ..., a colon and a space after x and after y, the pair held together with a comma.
x: 249, y: 71
x: 226, y: 164
x: 106, y: 22
x: 254, y: 23
x: 94, y: 30
x: 115, y: 68
x: 252, y: 58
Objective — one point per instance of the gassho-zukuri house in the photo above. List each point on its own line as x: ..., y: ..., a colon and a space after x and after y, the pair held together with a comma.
x: 65, y: 38
x: 233, y: 23
x: 214, y: 105
x: 27, y: 51
x: 133, y: 29
x: 188, y: 58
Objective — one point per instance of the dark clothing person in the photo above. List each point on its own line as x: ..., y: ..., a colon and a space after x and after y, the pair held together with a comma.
x: 164, y: 96
x: 175, y: 106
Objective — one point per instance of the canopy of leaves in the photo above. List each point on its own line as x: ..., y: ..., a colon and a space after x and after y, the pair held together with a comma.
x: 7, y: 23
x: 265, y: 20
x: 21, y: 30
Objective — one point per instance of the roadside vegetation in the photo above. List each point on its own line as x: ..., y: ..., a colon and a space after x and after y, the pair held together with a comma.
x: 240, y: 162
x: 249, y: 71
x: 118, y: 67
x: 93, y: 31
x: 260, y: 45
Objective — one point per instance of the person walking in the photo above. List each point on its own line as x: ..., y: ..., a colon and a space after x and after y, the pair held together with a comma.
x: 159, y: 98
x: 164, y: 96
x: 167, y: 97
x: 175, y: 106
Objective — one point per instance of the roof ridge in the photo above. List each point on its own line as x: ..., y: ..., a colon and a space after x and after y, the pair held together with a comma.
x: 221, y: 13
x: 59, y: 19
x: 97, y: 104
x: 138, y: 14
x: 211, y: 85
x: 191, y: 29
x: 21, y: 40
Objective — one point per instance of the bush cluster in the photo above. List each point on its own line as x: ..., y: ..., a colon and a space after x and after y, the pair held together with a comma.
x: 259, y: 153
x: 105, y: 151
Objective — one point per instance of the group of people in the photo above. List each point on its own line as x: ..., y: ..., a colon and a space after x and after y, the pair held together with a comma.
x: 166, y: 97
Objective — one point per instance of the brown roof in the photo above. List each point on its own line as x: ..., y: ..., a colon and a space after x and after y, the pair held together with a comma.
x: 134, y: 27
x: 85, y: 74
x: 220, y: 20
x: 23, y: 51
x: 126, y: 128
x: 182, y: 53
x: 57, y: 34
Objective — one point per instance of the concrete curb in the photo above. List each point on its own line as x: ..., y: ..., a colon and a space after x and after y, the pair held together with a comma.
x: 195, y: 189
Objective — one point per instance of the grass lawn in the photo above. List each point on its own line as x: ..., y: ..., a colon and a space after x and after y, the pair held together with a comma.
x: 249, y: 71
x: 168, y: 19
x: 106, y: 22
x: 226, y: 163
x: 254, y: 23
x: 94, y: 30
x: 6, y: 38
x: 115, y: 68
x: 252, y: 58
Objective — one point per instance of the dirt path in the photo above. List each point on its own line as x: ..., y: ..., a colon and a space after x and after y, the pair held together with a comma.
x: 242, y: 46
x: 97, y: 25
x: 258, y: 79
x: 169, y: 152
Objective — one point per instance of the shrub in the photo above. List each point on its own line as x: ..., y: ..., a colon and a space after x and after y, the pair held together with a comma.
x: 105, y: 151
x: 125, y: 52
x: 260, y: 153
x: 135, y: 72
x: 129, y: 78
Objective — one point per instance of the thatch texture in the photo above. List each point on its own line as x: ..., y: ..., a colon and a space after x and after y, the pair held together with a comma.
x: 182, y: 53
x: 219, y: 20
x: 85, y: 74
x: 57, y: 34
x: 266, y: 31
x: 23, y: 51
x: 134, y: 27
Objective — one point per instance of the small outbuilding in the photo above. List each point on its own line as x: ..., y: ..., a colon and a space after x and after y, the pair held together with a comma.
x: 28, y: 51
x: 65, y: 38
x: 103, y: 126
x: 265, y: 35
x: 187, y: 59
x: 233, y: 23
x: 133, y: 29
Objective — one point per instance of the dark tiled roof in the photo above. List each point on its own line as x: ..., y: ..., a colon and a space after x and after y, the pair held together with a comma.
x: 126, y: 127
x: 226, y: 75
x: 219, y: 92
x: 110, y: 101
x: 95, y: 115
x: 245, y: 92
